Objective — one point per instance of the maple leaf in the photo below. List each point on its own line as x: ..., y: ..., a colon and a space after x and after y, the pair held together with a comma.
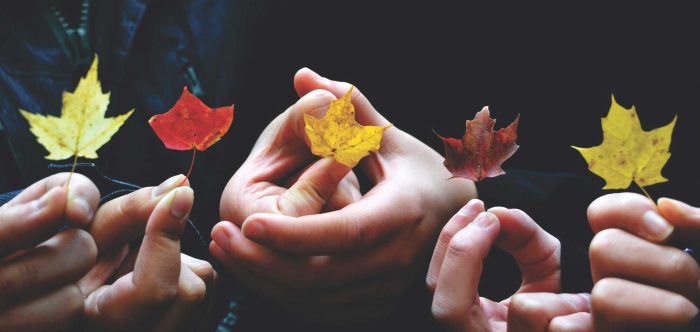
x: 628, y: 153
x: 339, y: 135
x: 481, y: 151
x: 191, y: 124
x: 82, y: 127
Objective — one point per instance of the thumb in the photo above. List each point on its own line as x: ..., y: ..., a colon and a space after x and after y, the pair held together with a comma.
x: 306, y: 80
x: 313, y: 189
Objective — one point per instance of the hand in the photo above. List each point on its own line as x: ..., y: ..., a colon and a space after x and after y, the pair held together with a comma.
x: 632, y: 266
x: 356, y: 260
x: 456, y: 267
x: 155, y: 287
x: 39, y: 262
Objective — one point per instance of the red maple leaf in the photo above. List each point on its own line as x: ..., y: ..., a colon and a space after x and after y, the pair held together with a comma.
x: 190, y: 124
x: 481, y: 151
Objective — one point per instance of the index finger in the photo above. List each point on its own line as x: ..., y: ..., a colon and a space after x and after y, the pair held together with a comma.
x: 82, y: 199
x: 357, y: 226
x: 123, y: 219
x: 536, y: 252
x: 633, y: 213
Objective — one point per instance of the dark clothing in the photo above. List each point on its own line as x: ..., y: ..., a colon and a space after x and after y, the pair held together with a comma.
x: 149, y: 50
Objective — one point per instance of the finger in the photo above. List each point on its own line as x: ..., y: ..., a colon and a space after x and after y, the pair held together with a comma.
x: 123, y: 219
x: 312, y: 273
x: 158, y: 263
x: 103, y: 270
x: 316, y: 302
x: 619, y: 305
x: 456, y: 300
x: 56, y: 311
x: 456, y: 223
x: 26, y: 224
x: 682, y: 216
x: 536, y: 252
x: 535, y: 311
x: 81, y: 203
x: 313, y: 189
x: 201, y: 268
x: 578, y: 322
x: 348, y: 192
x: 630, y: 212
x: 184, y: 313
x: 60, y: 260
x: 616, y: 253
x: 355, y: 227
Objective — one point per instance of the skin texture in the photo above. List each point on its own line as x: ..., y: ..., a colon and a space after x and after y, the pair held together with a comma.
x: 298, y: 233
x: 39, y: 263
x: 632, y: 264
x: 102, y: 277
x: 456, y: 266
x: 147, y: 284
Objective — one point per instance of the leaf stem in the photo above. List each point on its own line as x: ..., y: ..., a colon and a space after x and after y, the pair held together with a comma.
x: 643, y: 190
x: 194, y: 156
x: 72, y: 170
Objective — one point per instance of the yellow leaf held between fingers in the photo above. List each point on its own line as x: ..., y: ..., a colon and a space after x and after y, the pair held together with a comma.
x: 338, y: 134
x: 629, y: 153
x: 82, y: 127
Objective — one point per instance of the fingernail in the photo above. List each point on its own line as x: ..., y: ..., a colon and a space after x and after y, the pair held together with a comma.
x: 468, y: 209
x: 253, y: 229
x: 484, y: 220
x: 167, y: 185
x: 80, y: 203
x: 680, y: 206
x: 181, y: 202
x: 656, y: 226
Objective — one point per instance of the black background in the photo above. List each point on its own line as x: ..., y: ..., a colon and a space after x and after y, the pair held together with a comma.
x: 433, y: 64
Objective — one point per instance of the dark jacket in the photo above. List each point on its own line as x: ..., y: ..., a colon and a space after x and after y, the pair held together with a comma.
x: 148, y: 51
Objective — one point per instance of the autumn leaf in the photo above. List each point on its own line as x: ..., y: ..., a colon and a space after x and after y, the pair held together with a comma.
x: 82, y: 127
x: 190, y: 124
x: 629, y: 153
x: 481, y: 151
x: 339, y: 135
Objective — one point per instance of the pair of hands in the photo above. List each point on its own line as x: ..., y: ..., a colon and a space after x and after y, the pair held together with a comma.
x: 299, y: 233
x: 640, y: 282
x: 456, y: 266
x: 94, y: 274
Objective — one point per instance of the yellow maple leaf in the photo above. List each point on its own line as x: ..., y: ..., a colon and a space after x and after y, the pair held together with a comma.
x: 629, y: 153
x: 338, y: 134
x: 82, y: 127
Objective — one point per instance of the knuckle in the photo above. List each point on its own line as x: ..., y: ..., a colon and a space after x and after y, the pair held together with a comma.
x: 602, y: 293
x: 680, y: 264
x: 524, y: 306
x: 83, y: 243
x: 443, y: 312
x: 602, y: 244
x: 163, y: 293
x: 193, y: 292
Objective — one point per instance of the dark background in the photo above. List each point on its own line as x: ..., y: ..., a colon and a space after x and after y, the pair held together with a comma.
x: 433, y: 64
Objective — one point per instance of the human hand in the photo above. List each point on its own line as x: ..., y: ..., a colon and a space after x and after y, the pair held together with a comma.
x: 39, y: 262
x: 456, y: 266
x: 640, y: 282
x: 155, y: 287
x: 355, y: 260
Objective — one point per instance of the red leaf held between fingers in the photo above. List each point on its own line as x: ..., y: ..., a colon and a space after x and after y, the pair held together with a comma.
x: 481, y: 151
x: 191, y: 124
